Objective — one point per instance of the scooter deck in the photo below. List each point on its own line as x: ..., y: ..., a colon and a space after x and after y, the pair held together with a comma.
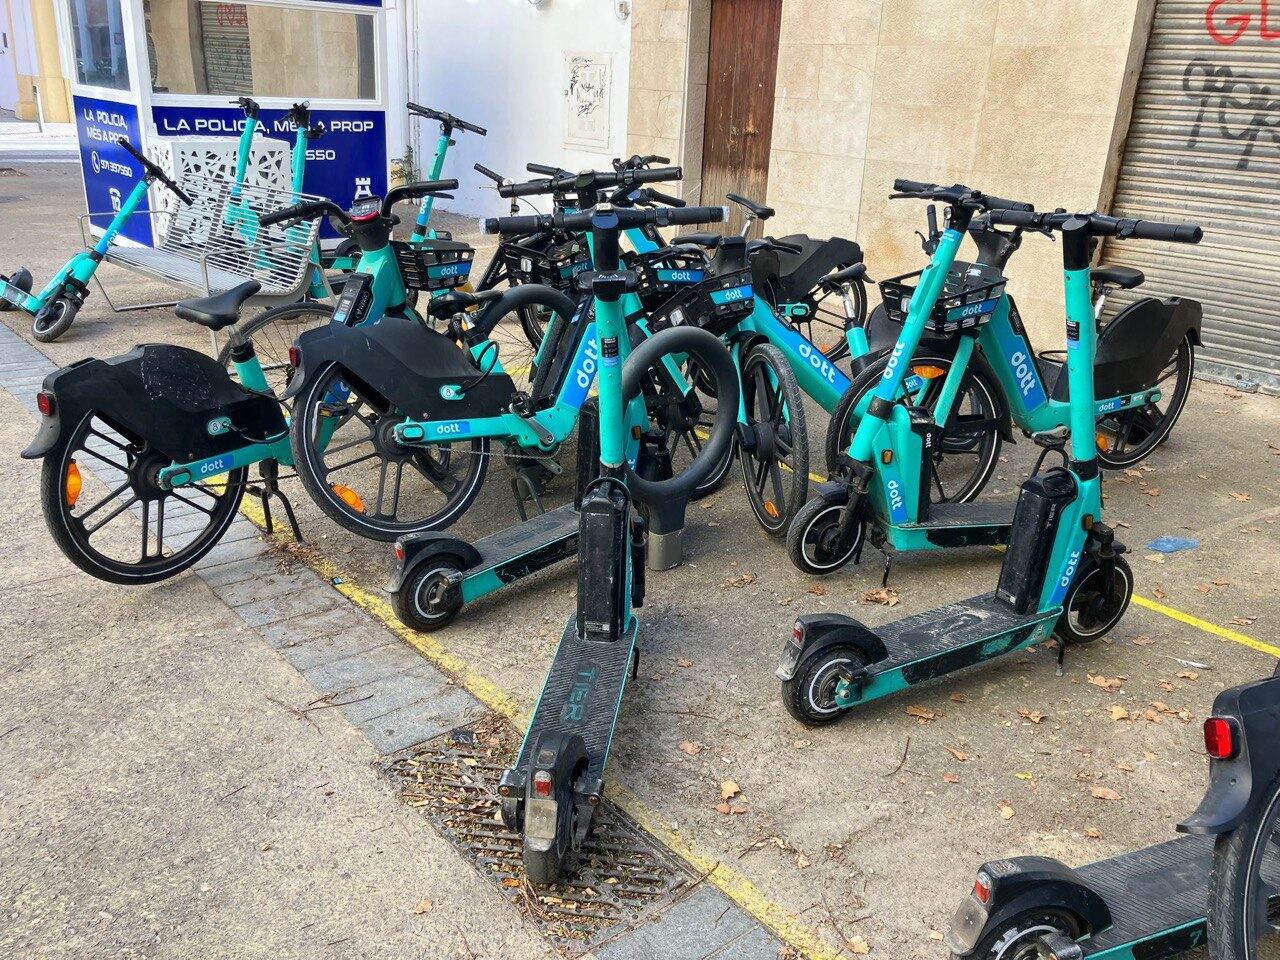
x: 582, y: 694
x: 527, y: 547
x: 1152, y: 892
x: 996, y: 513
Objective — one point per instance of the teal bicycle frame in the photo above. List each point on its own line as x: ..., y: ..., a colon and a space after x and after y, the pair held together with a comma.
x: 421, y: 231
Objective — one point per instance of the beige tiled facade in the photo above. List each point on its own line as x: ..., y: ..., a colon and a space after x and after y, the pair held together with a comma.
x: 1015, y: 97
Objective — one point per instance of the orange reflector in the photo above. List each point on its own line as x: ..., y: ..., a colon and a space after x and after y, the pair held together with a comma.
x: 73, y: 484
x: 886, y: 456
x: 349, y: 497
x: 1103, y: 443
x: 771, y: 509
x: 927, y: 372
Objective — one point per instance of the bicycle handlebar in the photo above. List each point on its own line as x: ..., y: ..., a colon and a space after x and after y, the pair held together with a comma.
x: 306, y: 210
x: 154, y: 171
x: 412, y: 191
x: 445, y: 119
x: 957, y: 193
x: 623, y: 218
x: 1100, y: 225
x: 588, y: 180
x: 664, y: 198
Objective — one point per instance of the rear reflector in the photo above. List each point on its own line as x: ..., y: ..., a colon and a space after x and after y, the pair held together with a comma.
x: 1220, y: 738
x: 399, y: 551
x: 45, y: 403
x: 982, y: 887
x: 542, y: 784
x: 797, y: 633
x: 295, y: 357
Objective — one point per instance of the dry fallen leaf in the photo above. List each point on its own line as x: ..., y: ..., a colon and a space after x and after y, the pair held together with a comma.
x: 1221, y: 583
x: 729, y: 790
x: 423, y: 907
x: 1188, y: 675
x: 1104, y: 793
x: 723, y: 808
x: 1125, y: 766
x: 691, y: 747
x: 1243, y: 621
x: 1035, y: 716
x: 884, y: 595
x: 818, y: 590
x: 858, y: 945
x: 1093, y: 833
x: 785, y: 602
x: 1006, y: 812
x: 682, y: 662
x: 958, y: 754
x: 802, y: 861
x: 1152, y: 491
x: 1142, y: 641
x: 935, y: 935
x: 1109, y: 684
x: 1159, y: 593
x: 1118, y: 713
x: 923, y: 714
x: 1242, y: 497
x: 959, y: 698
x: 950, y: 778
x: 740, y: 581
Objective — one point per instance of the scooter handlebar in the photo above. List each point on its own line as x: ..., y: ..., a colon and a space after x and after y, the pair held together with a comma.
x: 492, y: 175
x: 153, y: 170
x: 304, y: 211
x: 447, y: 119
x: 1100, y: 225
x: 956, y: 193
x: 624, y: 218
x: 545, y: 170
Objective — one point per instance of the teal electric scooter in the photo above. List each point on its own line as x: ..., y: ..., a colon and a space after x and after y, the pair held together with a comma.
x: 1063, y: 573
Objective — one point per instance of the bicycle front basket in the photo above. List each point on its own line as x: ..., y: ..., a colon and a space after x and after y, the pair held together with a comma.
x: 553, y: 260
x: 663, y: 277
x: 716, y: 304
x: 969, y: 297
x: 433, y: 264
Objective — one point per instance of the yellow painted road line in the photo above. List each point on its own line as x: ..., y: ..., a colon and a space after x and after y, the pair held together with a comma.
x: 1212, y: 628
x: 731, y: 883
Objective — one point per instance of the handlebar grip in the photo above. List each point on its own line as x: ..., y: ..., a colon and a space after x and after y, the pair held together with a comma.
x: 657, y: 174
x: 299, y: 211
x: 654, y: 158
x: 474, y: 128
x: 542, y: 170
x: 912, y: 186
x: 666, y: 198
x: 689, y: 215
x: 531, y: 188
x: 1000, y: 203
x: 422, y: 111
x: 1011, y: 217
x: 248, y: 105
x: 482, y: 169
x: 532, y: 223
x: 784, y: 245
x: 1170, y: 232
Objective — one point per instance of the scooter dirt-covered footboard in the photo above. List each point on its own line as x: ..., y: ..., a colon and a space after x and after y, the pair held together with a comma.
x: 420, y: 371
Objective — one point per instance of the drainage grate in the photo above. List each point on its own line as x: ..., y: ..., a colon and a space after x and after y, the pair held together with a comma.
x: 620, y: 879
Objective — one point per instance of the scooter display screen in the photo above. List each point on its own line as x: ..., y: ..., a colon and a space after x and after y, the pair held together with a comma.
x: 365, y: 208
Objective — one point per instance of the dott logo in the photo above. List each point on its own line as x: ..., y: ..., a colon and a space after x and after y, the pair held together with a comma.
x: 448, y: 429
x: 586, y: 371
x: 891, y: 367
x: 1023, y: 370
x: 816, y: 360
x: 896, y: 502
x: 220, y: 465
x: 1065, y: 580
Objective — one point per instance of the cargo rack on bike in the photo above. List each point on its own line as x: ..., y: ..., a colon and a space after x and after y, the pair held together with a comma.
x: 550, y: 260
x: 968, y: 298
x: 715, y: 304
x: 217, y: 243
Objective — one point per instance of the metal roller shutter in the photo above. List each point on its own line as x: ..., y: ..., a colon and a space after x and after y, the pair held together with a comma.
x: 1204, y: 145
x: 228, y: 65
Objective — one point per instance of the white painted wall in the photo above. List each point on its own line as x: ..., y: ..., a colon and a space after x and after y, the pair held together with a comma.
x: 500, y: 64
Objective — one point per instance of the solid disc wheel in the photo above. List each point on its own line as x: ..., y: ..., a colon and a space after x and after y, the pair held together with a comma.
x: 1127, y: 437
x: 22, y: 280
x: 109, y: 515
x: 421, y: 601
x: 810, y: 695
x: 1015, y: 939
x: 970, y: 445
x: 1092, y: 607
x: 1244, y: 886
x: 776, y: 472
x: 813, y: 537
x: 54, y: 320
x: 351, y: 465
x: 272, y: 333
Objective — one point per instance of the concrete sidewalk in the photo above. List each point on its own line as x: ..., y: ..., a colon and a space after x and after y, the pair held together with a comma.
x: 23, y: 140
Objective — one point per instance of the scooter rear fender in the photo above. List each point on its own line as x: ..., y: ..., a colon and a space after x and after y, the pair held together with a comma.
x: 816, y: 632
x: 421, y: 548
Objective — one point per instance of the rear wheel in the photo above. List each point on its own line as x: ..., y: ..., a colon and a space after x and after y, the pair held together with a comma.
x: 1127, y: 437
x: 775, y: 472
x: 810, y: 695
x: 1015, y: 939
x: 108, y: 513
x: 272, y: 333
x: 421, y: 602
x: 54, y: 319
x: 1244, y: 886
x: 351, y: 465
x: 550, y: 823
x: 22, y: 280
x: 1092, y: 607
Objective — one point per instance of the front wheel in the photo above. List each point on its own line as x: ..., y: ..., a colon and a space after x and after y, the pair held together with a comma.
x: 1244, y: 885
x: 1015, y: 938
x: 810, y: 695
x: 775, y: 472
x: 54, y: 320
x: 814, y: 543
x: 423, y: 601
x: 1093, y: 606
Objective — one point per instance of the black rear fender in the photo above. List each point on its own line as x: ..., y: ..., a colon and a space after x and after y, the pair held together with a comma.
x: 1136, y: 345
x: 422, y: 548
x: 821, y: 631
x: 1237, y: 786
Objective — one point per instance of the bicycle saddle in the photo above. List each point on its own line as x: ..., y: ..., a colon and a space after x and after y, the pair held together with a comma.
x: 759, y: 209
x: 220, y: 310
x: 1126, y: 278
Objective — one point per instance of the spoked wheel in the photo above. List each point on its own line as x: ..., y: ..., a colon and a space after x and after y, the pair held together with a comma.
x: 516, y: 348
x: 1015, y: 939
x: 347, y: 458
x: 110, y: 516
x: 422, y: 602
x: 775, y: 472
x: 550, y: 808
x: 1244, y: 886
x: 1127, y: 437
x: 813, y: 539
x: 969, y: 449
x: 810, y: 695
x: 1093, y: 606
x: 54, y: 320
x: 272, y: 333
x: 825, y: 323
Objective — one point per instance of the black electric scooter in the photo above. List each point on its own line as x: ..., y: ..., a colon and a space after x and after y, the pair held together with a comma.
x: 551, y: 793
x: 1164, y: 899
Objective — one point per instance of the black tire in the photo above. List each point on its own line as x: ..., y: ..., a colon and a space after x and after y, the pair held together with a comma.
x: 955, y: 481
x: 685, y: 443
x: 545, y: 867
x: 533, y: 320
x: 776, y: 474
x: 54, y: 319
x: 22, y: 280
x: 1148, y: 427
x: 810, y: 535
x: 435, y: 463
x: 1015, y: 939
x: 1087, y: 615
x: 1246, y: 861
x: 124, y: 467
x: 419, y: 604
x: 272, y: 333
x: 809, y: 696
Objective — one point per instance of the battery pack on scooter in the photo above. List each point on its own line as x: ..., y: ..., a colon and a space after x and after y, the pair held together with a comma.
x: 1035, y: 524
x: 602, y: 548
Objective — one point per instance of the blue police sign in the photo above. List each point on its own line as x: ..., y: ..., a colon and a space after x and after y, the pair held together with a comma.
x: 109, y: 172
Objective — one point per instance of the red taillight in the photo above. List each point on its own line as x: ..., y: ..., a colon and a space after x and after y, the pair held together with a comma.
x: 45, y: 403
x: 542, y: 784
x: 1220, y: 738
x: 295, y: 357
x: 797, y: 633
x: 399, y: 551
x: 982, y: 888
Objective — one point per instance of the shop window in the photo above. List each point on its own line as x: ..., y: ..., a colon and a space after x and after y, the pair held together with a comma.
x: 260, y: 49
x: 97, y: 36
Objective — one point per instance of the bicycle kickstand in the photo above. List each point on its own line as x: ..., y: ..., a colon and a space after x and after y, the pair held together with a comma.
x: 271, y: 488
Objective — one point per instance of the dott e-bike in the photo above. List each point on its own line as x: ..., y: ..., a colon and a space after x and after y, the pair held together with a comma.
x: 1220, y: 883
x: 1062, y: 574
x: 551, y: 793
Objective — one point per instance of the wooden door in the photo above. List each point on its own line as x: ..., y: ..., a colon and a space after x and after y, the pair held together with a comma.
x: 742, y: 68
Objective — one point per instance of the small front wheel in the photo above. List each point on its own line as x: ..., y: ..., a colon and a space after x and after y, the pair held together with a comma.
x: 424, y: 601
x: 1093, y: 606
x: 813, y: 539
x: 775, y: 471
x: 54, y: 320
x: 810, y: 695
x: 1015, y: 938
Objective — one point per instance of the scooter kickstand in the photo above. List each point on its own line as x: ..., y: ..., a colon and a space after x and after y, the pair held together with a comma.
x: 271, y: 488
x: 1062, y: 653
